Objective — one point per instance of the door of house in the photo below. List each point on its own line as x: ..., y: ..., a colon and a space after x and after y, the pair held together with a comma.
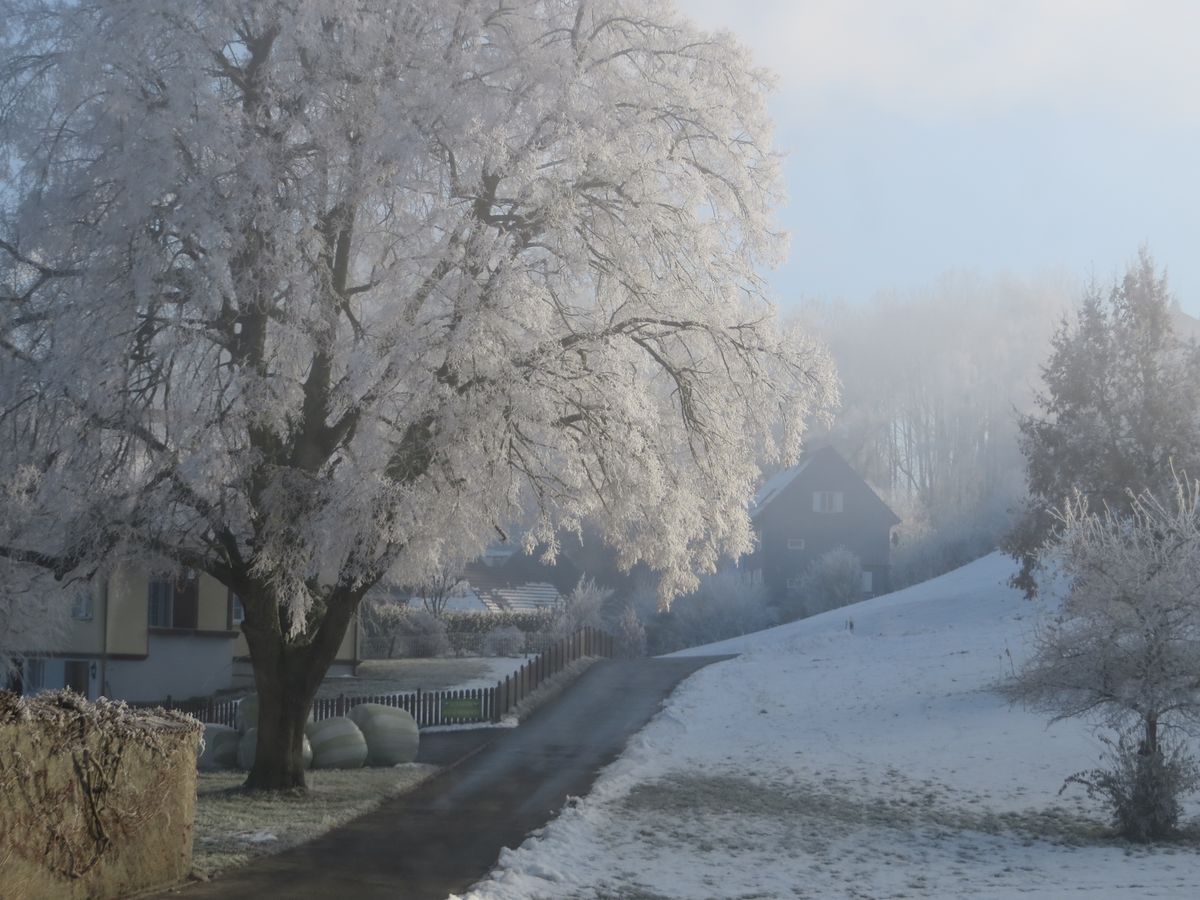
x: 76, y: 676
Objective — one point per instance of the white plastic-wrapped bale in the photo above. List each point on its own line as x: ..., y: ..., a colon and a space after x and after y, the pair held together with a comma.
x: 249, y: 742
x: 247, y: 713
x: 336, y: 744
x: 220, y: 747
x: 391, y: 734
x: 245, y: 749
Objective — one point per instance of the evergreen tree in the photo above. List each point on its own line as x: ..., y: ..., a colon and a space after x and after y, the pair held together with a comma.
x: 1120, y: 410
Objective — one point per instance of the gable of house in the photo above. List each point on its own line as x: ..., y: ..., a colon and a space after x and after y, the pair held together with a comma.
x: 819, y: 505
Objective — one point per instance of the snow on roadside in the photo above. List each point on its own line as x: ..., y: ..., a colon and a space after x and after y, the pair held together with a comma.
x: 827, y: 761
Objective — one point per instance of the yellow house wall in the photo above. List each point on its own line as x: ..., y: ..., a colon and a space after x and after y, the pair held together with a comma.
x: 127, y: 610
x: 213, y: 614
x: 85, y: 637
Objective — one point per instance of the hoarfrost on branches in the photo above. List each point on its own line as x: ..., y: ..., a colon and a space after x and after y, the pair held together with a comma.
x: 310, y: 297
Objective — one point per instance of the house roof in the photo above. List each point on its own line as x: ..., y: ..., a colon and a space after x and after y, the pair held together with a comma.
x: 775, y: 485
x: 513, y: 580
x: 780, y: 481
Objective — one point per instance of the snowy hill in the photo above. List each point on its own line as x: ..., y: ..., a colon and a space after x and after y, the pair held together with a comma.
x: 875, y: 761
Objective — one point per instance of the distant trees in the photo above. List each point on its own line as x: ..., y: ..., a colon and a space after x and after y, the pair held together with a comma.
x: 1120, y: 410
x: 1126, y: 645
x: 929, y: 384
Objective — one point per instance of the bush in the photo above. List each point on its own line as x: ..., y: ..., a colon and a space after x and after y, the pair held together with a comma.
x: 833, y: 581
x: 725, y: 605
x: 584, y: 606
x: 1144, y: 790
x: 506, y: 641
x: 629, y: 634
x: 424, y: 634
x: 528, y: 621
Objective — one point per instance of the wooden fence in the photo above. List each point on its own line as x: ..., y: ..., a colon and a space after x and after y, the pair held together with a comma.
x: 449, y: 707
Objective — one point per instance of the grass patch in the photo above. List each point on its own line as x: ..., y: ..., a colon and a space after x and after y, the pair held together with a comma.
x: 233, y: 828
x: 837, y: 807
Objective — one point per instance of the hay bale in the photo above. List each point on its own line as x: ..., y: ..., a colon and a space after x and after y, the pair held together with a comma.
x: 391, y: 734
x: 220, y: 747
x: 248, y: 743
x: 336, y: 744
x: 118, y: 825
x: 247, y: 713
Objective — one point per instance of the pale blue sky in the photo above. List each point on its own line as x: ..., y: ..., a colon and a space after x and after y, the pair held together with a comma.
x: 1020, y: 137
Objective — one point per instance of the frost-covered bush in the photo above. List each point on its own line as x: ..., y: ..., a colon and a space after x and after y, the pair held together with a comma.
x: 725, y: 605
x: 1144, y: 790
x: 584, y: 606
x: 423, y: 634
x: 506, y: 641
x: 831, y: 582
x: 629, y: 634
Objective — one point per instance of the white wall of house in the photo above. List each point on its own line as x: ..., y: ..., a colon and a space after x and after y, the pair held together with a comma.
x: 178, y: 666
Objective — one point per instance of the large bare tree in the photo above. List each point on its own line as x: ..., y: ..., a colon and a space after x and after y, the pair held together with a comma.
x: 312, y: 295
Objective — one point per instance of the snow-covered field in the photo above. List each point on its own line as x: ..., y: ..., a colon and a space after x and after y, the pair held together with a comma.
x: 827, y: 761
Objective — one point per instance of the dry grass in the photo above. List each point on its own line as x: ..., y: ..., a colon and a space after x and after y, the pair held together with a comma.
x: 233, y: 828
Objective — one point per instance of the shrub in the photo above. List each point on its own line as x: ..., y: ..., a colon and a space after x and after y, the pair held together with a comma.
x: 424, y: 634
x: 584, y: 606
x: 725, y: 605
x: 1143, y: 789
x: 528, y: 621
x: 629, y: 633
x: 506, y: 641
x: 833, y: 581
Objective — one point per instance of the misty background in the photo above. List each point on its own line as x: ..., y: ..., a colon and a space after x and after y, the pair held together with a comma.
x: 1028, y: 140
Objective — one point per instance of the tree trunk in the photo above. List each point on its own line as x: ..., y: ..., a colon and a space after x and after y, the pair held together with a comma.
x: 1150, y: 741
x: 284, y: 700
x: 287, y: 675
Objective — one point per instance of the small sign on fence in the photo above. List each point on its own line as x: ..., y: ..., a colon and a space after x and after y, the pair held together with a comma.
x: 470, y: 708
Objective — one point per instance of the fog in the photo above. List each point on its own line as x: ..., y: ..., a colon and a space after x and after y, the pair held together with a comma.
x: 1019, y: 138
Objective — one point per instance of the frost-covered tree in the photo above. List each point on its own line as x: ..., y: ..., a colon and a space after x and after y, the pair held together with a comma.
x: 439, y: 586
x: 584, y: 607
x: 310, y: 296
x: 1126, y: 645
x: 1120, y: 411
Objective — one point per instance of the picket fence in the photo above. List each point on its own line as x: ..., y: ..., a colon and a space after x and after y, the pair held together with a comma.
x: 449, y: 707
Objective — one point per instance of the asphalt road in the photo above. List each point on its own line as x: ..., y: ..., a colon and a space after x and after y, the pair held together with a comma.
x: 448, y: 833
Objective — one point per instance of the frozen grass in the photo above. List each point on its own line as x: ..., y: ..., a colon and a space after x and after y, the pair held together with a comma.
x: 233, y: 828
x: 867, y: 762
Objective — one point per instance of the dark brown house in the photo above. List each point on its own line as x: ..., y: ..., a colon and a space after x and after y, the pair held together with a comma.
x: 816, y: 506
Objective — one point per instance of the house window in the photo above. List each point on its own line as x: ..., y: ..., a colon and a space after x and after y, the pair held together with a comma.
x: 174, y: 602
x: 795, y: 543
x: 868, y: 582
x: 237, y: 612
x: 83, y: 607
x: 793, y: 584
x: 827, y: 501
x: 33, y: 675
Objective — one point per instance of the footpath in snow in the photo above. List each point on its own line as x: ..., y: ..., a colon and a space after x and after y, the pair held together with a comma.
x: 868, y: 762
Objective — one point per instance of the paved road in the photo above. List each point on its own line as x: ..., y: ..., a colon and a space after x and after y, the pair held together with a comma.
x: 448, y: 833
